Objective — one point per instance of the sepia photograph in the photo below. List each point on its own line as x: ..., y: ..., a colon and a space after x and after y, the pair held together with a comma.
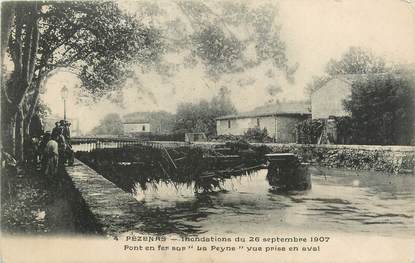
x: 207, y: 130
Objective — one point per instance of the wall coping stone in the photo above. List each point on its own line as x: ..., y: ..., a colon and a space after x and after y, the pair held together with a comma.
x: 393, y: 148
x: 115, y: 210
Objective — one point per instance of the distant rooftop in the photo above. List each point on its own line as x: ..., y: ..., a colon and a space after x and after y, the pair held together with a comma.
x: 282, y: 108
x: 399, y: 71
x: 351, y: 78
x: 135, y: 122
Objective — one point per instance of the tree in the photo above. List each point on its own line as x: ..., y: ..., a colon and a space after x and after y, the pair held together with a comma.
x: 111, y: 124
x: 94, y: 40
x: 355, y: 60
x: 201, y: 117
x: 256, y: 134
x: 224, y: 37
x: 221, y: 104
x: 223, y: 51
x: 382, y: 109
x: 23, y: 49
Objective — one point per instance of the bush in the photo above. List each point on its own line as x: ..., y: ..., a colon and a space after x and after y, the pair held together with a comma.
x: 381, y: 109
x: 344, y: 130
x: 309, y: 131
x: 256, y: 135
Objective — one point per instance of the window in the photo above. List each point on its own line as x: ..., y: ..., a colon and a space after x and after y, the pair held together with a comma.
x: 229, y: 124
x: 257, y: 122
x: 144, y: 128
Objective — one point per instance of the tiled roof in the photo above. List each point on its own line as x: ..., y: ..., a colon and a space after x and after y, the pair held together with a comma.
x: 136, y: 117
x: 283, y: 108
x: 135, y: 122
x: 352, y: 78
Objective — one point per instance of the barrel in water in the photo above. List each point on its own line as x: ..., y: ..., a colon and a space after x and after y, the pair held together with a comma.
x: 286, y: 173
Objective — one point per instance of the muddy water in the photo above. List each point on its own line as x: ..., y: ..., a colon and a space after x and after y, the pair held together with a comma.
x: 342, y: 201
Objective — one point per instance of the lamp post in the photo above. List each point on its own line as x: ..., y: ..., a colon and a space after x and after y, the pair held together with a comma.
x: 64, y: 95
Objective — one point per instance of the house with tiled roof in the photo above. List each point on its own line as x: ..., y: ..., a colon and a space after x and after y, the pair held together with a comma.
x: 156, y: 122
x: 280, y: 120
x: 136, y: 127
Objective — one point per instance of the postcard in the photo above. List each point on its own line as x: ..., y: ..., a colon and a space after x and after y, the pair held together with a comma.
x: 208, y: 131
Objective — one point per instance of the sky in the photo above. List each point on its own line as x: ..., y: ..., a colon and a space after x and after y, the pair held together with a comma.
x: 314, y: 32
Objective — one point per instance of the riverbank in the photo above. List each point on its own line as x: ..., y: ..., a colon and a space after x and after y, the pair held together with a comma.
x: 384, y: 158
x: 24, y: 199
x: 389, y: 159
x: 32, y: 204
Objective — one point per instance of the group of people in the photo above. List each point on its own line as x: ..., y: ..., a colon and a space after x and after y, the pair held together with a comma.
x: 55, y: 148
x: 45, y: 150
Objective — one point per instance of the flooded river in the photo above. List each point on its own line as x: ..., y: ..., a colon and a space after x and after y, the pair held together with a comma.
x: 345, y: 201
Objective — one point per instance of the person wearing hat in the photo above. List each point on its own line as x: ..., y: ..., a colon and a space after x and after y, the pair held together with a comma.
x: 56, y: 130
x: 66, y: 130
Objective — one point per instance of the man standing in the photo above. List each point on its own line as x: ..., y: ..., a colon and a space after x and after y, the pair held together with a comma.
x: 57, y: 129
x: 66, y: 132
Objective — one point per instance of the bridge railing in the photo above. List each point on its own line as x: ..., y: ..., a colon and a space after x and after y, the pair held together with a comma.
x: 89, y: 144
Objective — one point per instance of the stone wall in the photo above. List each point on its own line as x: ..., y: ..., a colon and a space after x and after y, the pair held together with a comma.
x: 113, y: 211
x: 391, y: 159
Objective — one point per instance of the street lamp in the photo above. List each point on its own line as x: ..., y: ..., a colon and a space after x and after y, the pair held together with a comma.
x: 64, y: 95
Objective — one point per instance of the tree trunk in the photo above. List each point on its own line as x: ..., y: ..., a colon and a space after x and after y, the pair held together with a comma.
x: 19, y: 135
x: 8, y: 122
x: 26, y: 127
x: 32, y: 105
x: 8, y: 134
x: 23, y: 53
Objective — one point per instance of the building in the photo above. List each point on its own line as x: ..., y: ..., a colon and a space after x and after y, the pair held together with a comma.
x: 328, y: 99
x: 279, y: 119
x: 136, y: 127
x: 161, y: 122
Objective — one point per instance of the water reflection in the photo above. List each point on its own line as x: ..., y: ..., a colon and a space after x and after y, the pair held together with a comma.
x: 343, y: 201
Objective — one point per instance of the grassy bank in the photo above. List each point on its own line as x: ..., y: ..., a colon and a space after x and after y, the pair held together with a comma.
x: 34, y: 204
x: 24, y: 197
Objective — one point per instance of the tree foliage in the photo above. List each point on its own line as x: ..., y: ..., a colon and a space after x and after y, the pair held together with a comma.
x: 98, y: 42
x: 309, y: 131
x: 355, y: 60
x: 226, y: 36
x: 382, y: 109
x: 95, y: 40
x: 200, y: 117
x: 111, y: 124
x: 256, y: 134
x: 219, y: 52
